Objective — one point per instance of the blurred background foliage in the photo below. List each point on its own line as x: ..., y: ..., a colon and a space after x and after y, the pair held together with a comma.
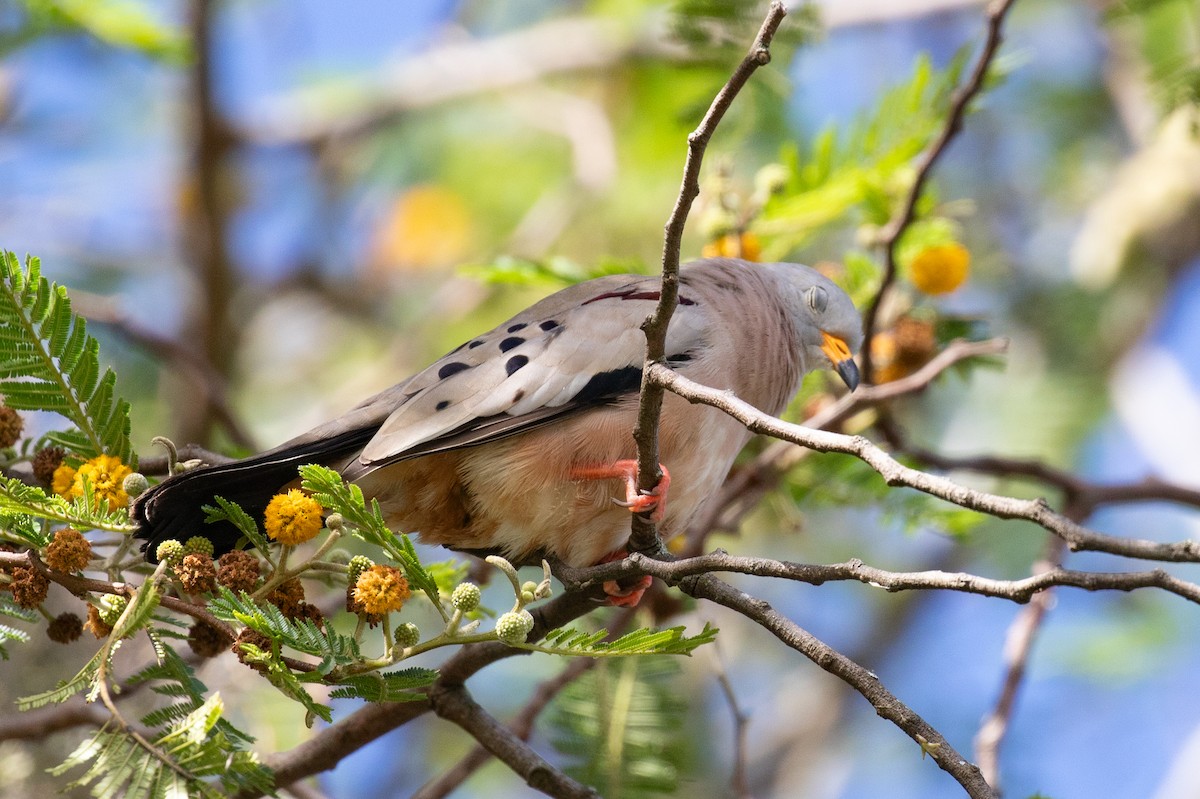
x: 274, y: 208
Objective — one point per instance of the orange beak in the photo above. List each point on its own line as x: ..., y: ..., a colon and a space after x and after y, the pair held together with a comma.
x: 843, y: 361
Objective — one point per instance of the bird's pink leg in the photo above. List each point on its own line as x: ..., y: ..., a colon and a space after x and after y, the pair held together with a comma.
x: 618, y: 595
x: 635, y: 500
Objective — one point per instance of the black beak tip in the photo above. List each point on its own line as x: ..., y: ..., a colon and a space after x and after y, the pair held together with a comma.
x: 848, y: 371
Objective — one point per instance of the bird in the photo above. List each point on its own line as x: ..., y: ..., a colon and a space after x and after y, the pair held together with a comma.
x: 519, y: 442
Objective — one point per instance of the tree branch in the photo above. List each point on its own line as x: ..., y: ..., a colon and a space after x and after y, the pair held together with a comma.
x: 456, y: 705
x: 325, y: 749
x: 890, y: 235
x: 860, y: 679
x: 896, y: 474
x: 644, y: 536
x: 521, y: 727
x: 1020, y: 591
x: 1017, y: 648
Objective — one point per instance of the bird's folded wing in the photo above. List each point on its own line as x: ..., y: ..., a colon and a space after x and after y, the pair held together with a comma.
x: 580, y: 347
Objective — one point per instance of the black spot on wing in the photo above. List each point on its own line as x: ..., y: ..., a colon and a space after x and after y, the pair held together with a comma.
x: 474, y: 344
x: 516, y: 327
x: 679, y: 359
x: 610, y: 384
x: 510, y: 343
x: 514, y: 363
x: 452, y: 368
x: 549, y: 324
x: 520, y: 395
x: 441, y: 406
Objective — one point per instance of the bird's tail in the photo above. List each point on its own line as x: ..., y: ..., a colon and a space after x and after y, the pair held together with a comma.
x: 173, y: 508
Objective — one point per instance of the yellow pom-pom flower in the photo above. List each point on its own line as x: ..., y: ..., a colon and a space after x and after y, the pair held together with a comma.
x: 63, y: 480
x: 104, y: 473
x: 381, y: 589
x: 941, y: 269
x: 734, y: 245
x: 293, y: 518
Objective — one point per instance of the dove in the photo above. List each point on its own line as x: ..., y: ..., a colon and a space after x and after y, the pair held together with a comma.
x: 519, y: 442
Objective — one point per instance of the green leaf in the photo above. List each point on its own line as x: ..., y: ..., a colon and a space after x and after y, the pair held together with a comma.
x: 394, y: 686
x: 231, y: 512
x: 335, y: 494
x: 120, y: 23
x: 301, y: 635
x: 622, y: 728
x: 670, y: 641
x: 18, y: 498
x: 51, y: 363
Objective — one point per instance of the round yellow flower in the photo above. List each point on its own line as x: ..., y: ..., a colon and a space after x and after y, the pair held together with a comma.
x: 940, y: 270
x: 63, y: 480
x: 293, y: 518
x: 733, y: 245
x: 381, y: 589
x: 104, y: 473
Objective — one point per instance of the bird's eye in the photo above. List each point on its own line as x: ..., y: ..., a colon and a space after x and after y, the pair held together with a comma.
x: 818, y: 298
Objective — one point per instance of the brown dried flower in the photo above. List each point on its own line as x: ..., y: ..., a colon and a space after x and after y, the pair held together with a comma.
x: 45, y: 461
x: 96, y: 625
x: 65, y: 628
x: 287, y: 596
x: 11, y: 426
x: 69, y: 551
x: 197, y: 573
x: 238, y: 570
x: 248, y: 636
x: 208, y: 640
x: 29, y: 586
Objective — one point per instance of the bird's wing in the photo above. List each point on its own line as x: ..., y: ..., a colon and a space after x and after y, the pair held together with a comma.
x: 577, y: 348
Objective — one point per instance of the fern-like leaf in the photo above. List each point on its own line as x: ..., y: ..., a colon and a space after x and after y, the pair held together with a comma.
x: 301, y: 635
x: 395, y: 686
x: 193, y: 758
x: 226, y: 511
x: 334, y: 493
x: 48, y: 362
x: 670, y: 641
x: 19, y: 499
x: 622, y: 725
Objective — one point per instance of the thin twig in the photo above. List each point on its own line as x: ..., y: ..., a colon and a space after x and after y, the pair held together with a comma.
x: 521, y: 727
x: 327, y: 748
x: 890, y: 235
x: 743, y: 490
x: 738, y: 781
x: 1018, y: 646
x: 455, y: 704
x: 644, y: 536
x: 894, y: 473
x: 860, y: 679
x: 1020, y: 591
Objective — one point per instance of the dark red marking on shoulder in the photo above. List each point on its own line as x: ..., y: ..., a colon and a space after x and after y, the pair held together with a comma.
x: 634, y: 294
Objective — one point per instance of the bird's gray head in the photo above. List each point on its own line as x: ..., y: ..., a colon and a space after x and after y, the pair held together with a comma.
x: 829, y: 325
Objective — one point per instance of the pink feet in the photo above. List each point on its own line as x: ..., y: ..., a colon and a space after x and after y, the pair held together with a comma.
x: 622, y: 596
x: 636, y: 501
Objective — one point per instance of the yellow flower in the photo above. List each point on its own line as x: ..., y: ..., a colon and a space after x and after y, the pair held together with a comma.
x: 293, y: 518
x: 381, y: 589
x: 104, y: 473
x: 63, y: 480
x: 940, y: 270
x: 733, y: 245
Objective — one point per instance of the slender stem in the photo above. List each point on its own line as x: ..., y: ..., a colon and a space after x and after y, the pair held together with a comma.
x: 645, y: 433
x: 904, y: 216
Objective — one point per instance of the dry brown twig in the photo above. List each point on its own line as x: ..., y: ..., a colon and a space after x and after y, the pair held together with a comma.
x: 644, y: 536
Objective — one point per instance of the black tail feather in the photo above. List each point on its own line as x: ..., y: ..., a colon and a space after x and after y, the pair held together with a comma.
x: 172, y: 509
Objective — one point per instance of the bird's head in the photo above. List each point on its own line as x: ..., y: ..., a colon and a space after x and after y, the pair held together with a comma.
x: 828, y: 324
